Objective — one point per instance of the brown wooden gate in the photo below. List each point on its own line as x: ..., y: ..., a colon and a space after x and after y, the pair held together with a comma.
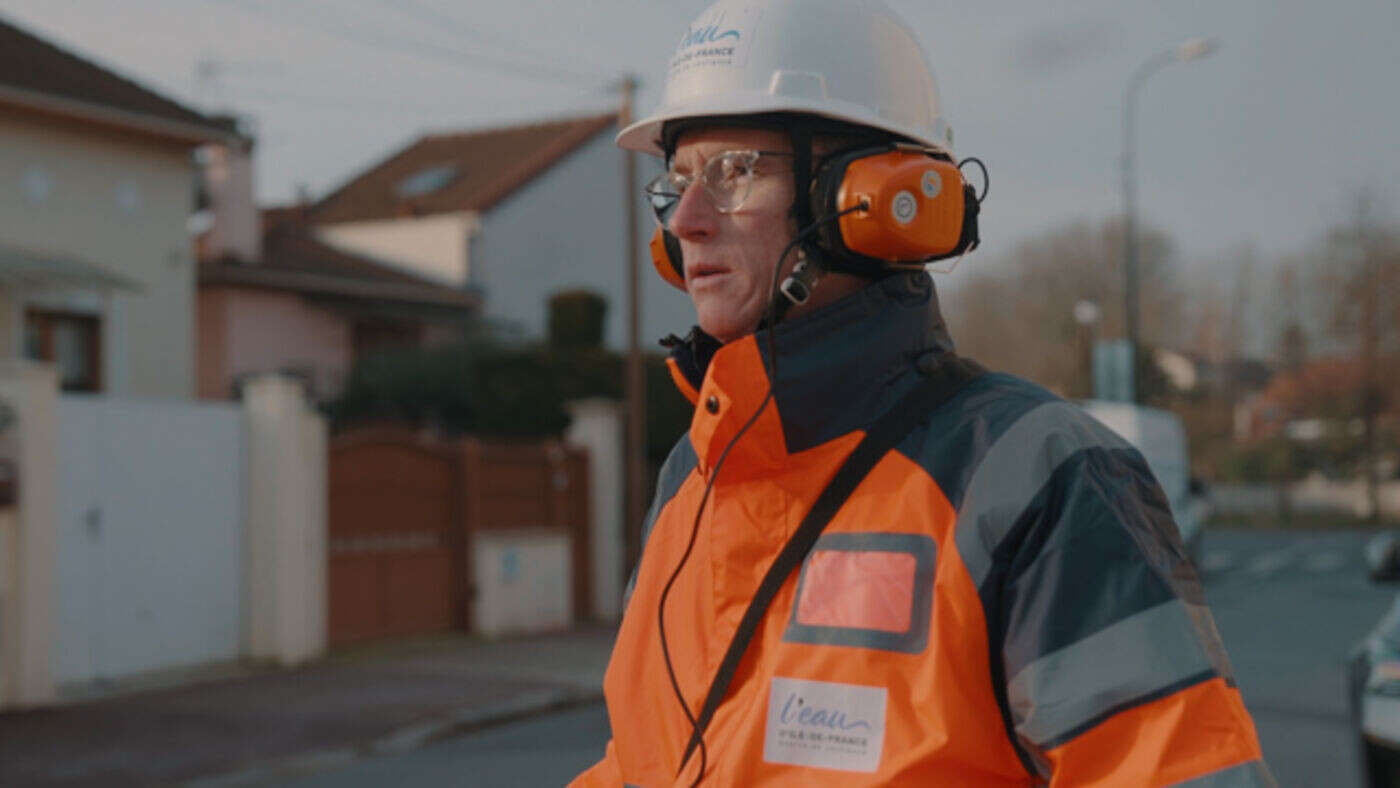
x: 513, y: 486
x: 396, y: 542
x: 402, y: 511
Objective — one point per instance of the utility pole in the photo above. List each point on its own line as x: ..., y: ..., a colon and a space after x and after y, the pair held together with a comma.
x: 636, y: 392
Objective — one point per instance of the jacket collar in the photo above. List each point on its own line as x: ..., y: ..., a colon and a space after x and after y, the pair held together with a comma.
x: 838, y: 369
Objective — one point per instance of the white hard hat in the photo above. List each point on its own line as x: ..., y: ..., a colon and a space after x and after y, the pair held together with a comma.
x: 852, y: 61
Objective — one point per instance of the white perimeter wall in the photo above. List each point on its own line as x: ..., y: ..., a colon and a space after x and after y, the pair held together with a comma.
x: 524, y: 581
x: 150, y: 536
x: 566, y: 230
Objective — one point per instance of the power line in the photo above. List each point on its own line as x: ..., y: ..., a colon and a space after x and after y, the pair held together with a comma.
x: 314, y: 98
x: 420, y: 49
x: 439, y: 19
x: 344, y: 103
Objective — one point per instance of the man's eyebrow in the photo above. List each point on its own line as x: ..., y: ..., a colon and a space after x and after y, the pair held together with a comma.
x: 683, y: 168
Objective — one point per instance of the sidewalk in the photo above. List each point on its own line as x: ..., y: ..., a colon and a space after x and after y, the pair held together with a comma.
x: 253, y: 728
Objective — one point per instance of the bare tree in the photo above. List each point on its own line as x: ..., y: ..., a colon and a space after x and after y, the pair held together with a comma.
x: 1292, y: 337
x: 1361, y: 268
x: 1018, y: 313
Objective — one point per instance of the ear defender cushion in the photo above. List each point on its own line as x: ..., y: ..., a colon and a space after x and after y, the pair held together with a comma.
x: 916, y: 205
x: 666, y: 257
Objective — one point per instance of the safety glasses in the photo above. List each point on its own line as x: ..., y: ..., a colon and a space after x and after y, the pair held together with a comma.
x: 727, y: 179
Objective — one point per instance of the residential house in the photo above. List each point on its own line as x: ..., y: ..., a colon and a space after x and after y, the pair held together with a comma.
x: 309, y: 310
x: 1320, y: 397
x: 97, y: 182
x: 516, y: 214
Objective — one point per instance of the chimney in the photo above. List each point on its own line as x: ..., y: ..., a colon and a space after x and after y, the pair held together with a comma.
x: 226, y: 175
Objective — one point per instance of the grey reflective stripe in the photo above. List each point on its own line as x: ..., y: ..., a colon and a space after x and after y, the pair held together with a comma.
x: 1013, y: 471
x: 678, y: 466
x: 915, y: 639
x: 1209, y: 638
x: 1251, y: 774
x: 1057, y: 695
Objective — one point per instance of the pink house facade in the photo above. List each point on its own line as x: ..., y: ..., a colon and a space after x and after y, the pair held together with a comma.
x: 310, y: 311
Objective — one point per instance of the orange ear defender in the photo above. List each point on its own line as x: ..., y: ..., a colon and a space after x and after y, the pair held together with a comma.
x: 917, y: 208
x: 666, y: 257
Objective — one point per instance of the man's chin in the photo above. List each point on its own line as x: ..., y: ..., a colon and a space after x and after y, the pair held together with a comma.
x: 726, y: 330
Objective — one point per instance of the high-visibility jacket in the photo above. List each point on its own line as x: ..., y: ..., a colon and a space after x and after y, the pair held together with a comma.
x: 1003, y: 601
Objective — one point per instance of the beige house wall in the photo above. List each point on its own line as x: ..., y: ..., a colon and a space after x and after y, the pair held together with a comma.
x: 435, y: 247
x: 120, y: 202
x: 244, y: 331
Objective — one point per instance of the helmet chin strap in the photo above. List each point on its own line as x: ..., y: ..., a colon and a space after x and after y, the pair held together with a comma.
x: 813, y: 262
x: 796, y: 289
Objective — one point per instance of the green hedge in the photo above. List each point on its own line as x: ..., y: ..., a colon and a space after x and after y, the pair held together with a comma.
x: 576, y: 319
x: 490, y: 390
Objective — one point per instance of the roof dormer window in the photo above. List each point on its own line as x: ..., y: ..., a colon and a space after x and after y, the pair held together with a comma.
x: 426, y: 181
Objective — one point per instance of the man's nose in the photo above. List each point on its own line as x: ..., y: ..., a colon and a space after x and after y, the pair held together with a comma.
x: 695, y: 217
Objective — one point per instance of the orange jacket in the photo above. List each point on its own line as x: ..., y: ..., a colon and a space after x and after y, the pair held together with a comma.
x: 1004, y: 600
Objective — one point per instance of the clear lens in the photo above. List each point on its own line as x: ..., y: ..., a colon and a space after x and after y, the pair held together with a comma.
x: 663, y: 192
x: 726, y: 178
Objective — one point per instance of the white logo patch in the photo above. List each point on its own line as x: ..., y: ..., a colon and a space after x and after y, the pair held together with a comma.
x: 819, y: 723
x: 722, y: 39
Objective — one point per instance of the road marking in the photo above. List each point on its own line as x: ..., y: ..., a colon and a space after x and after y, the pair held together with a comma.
x: 1217, y: 561
x: 1325, y: 562
x: 1269, y: 563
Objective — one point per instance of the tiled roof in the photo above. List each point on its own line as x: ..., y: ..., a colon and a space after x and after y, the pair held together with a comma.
x: 455, y: 172
x: 295, y: 260
x: 27, y: 268
x: 35, y: 72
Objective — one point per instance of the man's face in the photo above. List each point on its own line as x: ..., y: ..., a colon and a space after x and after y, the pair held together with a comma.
x: 729, y: 257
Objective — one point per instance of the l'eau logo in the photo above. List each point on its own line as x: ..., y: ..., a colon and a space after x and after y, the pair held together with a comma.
x: 708, y: 33
x: 797, y: 711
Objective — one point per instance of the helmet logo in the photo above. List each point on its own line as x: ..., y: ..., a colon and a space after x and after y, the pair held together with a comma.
x: 716, y: 40
x: 708, y: 33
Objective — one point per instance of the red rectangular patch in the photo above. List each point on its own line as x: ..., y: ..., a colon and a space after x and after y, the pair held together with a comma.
x: 858, y: 589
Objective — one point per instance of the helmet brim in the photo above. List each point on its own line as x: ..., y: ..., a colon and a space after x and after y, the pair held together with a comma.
x: 645, y: 135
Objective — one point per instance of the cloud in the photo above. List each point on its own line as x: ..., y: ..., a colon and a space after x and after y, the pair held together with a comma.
x: 1063, y: 45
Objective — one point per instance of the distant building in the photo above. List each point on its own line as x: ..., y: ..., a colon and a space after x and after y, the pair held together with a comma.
x: 97, y: 183
x: 309, y: 311
x: 515, y: 214
x: 1317, y: 399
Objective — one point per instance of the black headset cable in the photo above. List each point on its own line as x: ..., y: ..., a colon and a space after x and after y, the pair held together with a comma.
x: 771, y: 368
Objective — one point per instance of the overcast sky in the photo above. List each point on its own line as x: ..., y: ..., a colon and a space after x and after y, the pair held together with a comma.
x: 1260, y: 143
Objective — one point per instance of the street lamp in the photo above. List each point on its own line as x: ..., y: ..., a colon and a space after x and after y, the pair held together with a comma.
x: 1087, y: 314
x: 1193, y: 49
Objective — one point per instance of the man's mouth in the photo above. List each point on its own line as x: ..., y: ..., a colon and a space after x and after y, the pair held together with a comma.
x: 700, y: 271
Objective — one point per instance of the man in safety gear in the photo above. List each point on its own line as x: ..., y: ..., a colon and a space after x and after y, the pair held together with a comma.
x: 869, y: 562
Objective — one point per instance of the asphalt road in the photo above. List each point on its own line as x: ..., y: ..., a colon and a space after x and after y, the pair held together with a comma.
x: 1289, y: 606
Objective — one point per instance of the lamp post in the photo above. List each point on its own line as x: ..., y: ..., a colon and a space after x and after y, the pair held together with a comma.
x: 1193, y: 49
x: 1086, y: 314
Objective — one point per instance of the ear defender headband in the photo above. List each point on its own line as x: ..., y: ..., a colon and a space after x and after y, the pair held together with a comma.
x: 917, y: 209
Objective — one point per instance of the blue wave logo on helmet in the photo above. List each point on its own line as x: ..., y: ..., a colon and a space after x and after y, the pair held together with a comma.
x: 708, y: 34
